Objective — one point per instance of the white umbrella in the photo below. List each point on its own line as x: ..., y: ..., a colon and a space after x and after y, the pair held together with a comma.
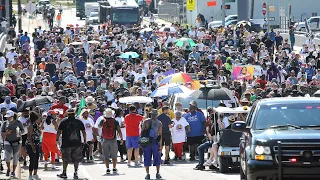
x: 145, y: 29
x: 93, y: 42
x: 168, y: 29
x: 134, y: 99
x: 76, y: 43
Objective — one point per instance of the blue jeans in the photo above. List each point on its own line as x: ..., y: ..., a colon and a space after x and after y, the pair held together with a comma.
x: 201, y: 150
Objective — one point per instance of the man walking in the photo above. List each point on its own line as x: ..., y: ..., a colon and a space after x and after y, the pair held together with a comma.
x: 132, y: 122
x: 110, y: 146
x: 71, y: 147
x: 154, y: 128
x: 166, y: 134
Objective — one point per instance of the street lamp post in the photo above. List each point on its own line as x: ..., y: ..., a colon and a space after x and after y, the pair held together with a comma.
x: 19, y: 15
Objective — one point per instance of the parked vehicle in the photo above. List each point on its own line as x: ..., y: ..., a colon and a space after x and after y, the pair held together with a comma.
x: 280, y: 139
x: 93, y: 18
x: 313, y: 22
x: 41, y: 5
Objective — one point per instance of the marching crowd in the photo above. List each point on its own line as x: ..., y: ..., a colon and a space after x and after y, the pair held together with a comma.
x: 86, y: 70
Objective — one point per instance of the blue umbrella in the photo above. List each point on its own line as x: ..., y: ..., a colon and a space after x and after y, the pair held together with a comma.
x: 170, y: 89
x: 126, y: 55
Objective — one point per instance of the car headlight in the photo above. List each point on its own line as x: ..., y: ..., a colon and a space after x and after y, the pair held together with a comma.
x: 262, y: 150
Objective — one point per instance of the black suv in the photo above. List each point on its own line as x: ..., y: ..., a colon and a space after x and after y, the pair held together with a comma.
x: 281, y: 140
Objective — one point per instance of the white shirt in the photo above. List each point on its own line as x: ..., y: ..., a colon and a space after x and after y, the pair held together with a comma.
x: 8, y: 106
x: 137, y: 76
x: 96, y: 125
x: 88, y: 125
x: 49, y: 128
x: 178, y: 131
x: 110, y: 95
x: 2, y: 63
x: 25, y: 122
x: 123, y: 130
x: 11, y: 55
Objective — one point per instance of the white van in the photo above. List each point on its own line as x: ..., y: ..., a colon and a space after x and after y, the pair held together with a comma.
x: 313, y: 22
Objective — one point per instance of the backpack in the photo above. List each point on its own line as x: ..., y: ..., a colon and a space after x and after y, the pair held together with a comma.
x: 108, y: 129
x: 73, y: 132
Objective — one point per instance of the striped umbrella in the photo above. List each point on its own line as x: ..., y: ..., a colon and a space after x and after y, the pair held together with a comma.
x: 176, y: 78
x: 170, y: 89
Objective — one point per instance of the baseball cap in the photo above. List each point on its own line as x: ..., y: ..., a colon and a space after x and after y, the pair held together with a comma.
x: 9, y: 114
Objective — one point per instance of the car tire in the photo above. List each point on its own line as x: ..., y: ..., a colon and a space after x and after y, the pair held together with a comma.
x: 223, y: 165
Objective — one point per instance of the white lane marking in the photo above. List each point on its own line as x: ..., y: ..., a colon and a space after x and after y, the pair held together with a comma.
x: 84, y: 172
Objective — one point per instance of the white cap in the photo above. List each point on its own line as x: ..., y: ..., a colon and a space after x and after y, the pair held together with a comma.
x: 194, y: 63
x: 9, y: 114
x: 43, y: 59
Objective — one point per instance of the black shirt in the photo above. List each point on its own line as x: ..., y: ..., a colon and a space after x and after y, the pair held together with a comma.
x: 40, y: 44
x: 166, y: 121
x: 65, y: 139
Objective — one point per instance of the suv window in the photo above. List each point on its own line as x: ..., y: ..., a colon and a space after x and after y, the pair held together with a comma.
x: 298, y: 114
x: 314, y: 20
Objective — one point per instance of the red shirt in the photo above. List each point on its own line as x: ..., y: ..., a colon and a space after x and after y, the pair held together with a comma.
x: 132, y: 122
x: 64, y: 109
x: 12, y: 89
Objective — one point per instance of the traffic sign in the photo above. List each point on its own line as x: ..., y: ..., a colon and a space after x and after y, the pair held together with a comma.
x: 191, y: 4
x: 30, y: 7
x: 264, y: 8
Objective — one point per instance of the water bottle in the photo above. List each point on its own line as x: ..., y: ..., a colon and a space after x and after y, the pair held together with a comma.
x: 18, y: 132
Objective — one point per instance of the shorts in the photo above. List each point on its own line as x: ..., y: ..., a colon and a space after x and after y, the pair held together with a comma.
x: 110, y: 149
x: 132, y: 142
x: 195, y: 140
x: 24, y: 140
x: 152, y: 152
x: 166, y: 139
x: 72, y: 154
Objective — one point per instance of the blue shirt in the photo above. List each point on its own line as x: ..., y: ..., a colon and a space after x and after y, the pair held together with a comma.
x: 196, y: 122
x: 81, y: 66
x: 23, y: 39
x: 310, y: 73
x: 272, y: 36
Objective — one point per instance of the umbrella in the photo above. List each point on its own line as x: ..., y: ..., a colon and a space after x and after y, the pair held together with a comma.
x: 37, y: 101
x: 127, y: 54
x: 176, y: 78
x: 145, y: 30
x: 76, y: 43
x: 168, y: 29
x: 245, y: 24
x: 183, y: 42
x: 4, y: 89
x: 170, y: 89
x: 134, y: 99
x: 93, y: 42
x: 212, y: 93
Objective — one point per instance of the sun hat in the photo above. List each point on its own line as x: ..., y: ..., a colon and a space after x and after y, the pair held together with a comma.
x: 108, y: 113
x: 89, y: 99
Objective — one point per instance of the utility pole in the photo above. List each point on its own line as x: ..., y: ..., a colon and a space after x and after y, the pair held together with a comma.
x: 7, y: 5
x: 223, y: 12
x: 19, y: 15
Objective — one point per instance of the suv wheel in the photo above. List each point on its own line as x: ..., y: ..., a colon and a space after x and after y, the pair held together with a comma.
x: 223, y: 165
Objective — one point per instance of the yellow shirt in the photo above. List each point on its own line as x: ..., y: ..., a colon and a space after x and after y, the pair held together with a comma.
x: 170, y: 113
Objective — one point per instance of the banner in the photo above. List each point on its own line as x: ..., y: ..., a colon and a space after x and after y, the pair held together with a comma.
x: 243, y: 72
x: 257, y: 70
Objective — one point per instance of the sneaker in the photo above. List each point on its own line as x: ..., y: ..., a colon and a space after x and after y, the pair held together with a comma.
x: 30, y: 178
x: 137, y: 164
x: 199, y: 167
x: 45, y: 165
x: 13, y: 175
x: 208, y: 163
x: 166, y: 162
x: 128, y: 164
x: 36, y: 177
x: 53, y: 167
x: 147, y: 176
x: 91, y: 158
x: 158, y: 176
x: 115, y: 170
x: 215, y: 163
x: 63, y: 175
x: 8, y: 173
x: 75, y: 175
x: 108, y: 171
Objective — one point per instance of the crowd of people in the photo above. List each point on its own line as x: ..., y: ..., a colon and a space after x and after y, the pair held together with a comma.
x: 86, y: 71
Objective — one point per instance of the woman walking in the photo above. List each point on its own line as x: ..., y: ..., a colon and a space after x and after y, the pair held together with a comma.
x: 33, y: 147
x: 11, y: 133
x: 121, y: 146
x: 49, y: 146
x: 89, y: 125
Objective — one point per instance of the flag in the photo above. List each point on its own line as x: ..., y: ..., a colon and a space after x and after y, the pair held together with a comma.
x: 82, y: 105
